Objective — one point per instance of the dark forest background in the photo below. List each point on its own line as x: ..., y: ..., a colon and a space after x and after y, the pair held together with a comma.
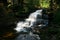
x: 18, y: 10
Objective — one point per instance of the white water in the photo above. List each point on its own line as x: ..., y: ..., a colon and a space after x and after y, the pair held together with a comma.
x: 32, y: 19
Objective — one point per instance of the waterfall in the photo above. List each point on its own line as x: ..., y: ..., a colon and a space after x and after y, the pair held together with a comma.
x: 31, y: 21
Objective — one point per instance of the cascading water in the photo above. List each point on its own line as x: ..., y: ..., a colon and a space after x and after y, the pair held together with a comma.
x: 30, y: 22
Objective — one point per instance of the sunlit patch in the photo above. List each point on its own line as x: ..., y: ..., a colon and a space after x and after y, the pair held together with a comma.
x: 8, y: 34
x: 44, y: 3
